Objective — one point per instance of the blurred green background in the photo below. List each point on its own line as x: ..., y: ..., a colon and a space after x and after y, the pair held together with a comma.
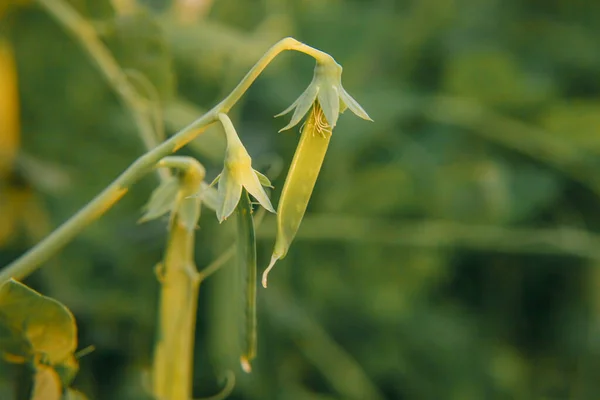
x: 449, y: 250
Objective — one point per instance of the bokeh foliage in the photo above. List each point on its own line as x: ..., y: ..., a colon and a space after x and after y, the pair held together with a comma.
x: 449, y: 250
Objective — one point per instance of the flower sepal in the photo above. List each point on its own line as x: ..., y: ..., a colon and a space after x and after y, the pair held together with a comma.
x: 237, y: 174
x: 326, y: 88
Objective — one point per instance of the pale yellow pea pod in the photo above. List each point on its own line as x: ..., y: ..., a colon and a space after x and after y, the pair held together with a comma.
x: 300, y: 182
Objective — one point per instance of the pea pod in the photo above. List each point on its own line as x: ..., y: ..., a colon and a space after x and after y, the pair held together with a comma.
x: 247, y: 264
x: 300, y: 182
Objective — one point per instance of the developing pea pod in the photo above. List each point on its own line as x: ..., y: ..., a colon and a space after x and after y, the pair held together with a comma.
x: 247, y: 264
x: 300, y: 182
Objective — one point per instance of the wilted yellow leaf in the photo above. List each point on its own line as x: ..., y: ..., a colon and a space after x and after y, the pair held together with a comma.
x: 47, y: 325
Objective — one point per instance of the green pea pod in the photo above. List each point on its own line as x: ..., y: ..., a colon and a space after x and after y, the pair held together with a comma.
x: 300, y: 182
x: 247, y: 264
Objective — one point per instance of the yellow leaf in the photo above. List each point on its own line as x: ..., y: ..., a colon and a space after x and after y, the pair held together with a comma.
x: 44, y: 323
x: 9, y: 107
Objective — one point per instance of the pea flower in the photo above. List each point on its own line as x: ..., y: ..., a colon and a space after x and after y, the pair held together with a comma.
x: 326, y: 99
x: 326, y: 87
x: 237, y: 173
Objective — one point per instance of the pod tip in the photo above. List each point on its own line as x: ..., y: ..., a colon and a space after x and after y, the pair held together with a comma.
x: 245, y: 364
x: 265, y: 274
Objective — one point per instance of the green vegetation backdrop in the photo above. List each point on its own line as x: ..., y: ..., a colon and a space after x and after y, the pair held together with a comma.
x: 449, y: 250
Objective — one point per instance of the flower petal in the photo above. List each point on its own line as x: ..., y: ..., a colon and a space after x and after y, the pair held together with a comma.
x: 290, y: 108
x: 209, y: 196
x: 343, y: 106
x: 305, y: 101
x: 161, y: 201
x: 230, y: 191
x: 252, y: 184
x: 329, y: 99
x: 353, y: 105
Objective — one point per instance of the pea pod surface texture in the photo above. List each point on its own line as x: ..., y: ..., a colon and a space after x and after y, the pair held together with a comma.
x: 300, y: 182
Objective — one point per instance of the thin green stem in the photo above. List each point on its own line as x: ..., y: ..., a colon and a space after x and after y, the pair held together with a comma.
x: 194, y: 171
x: 287, y: 43
x: 562, y: 241
x: 32, y: 259
x: 85, y: 33
x: 227, y: 389
x: 37, y: 255
x: 217, y: 263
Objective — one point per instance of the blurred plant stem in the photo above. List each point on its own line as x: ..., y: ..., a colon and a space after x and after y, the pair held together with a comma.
x: 512, y: 133
x: 84, y: 32
x: 336, y: 365
x: 37, y: 255
x: 431, y: 233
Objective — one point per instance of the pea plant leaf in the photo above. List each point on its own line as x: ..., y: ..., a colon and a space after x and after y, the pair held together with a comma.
x: 13, y: 347
x: 36, y: 324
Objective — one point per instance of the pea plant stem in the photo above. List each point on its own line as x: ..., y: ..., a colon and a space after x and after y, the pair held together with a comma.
x: 40, y: 253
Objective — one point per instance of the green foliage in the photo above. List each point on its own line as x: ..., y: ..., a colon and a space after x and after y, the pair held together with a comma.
x: 449, y: 251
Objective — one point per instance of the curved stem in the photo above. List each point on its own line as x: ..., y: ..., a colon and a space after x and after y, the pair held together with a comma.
x: 32, y: 259
x: 84, y: 32
x: 284, y: 44
x: 37, y: 255
x: 193, y: 170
